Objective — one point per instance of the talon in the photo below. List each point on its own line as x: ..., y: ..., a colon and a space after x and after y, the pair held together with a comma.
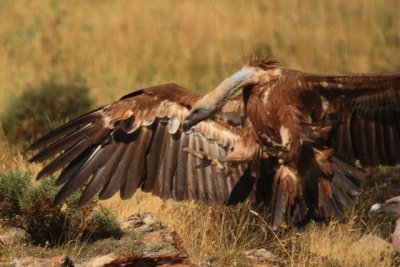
x: 194, y: 153
x: 203, y: 156
x: 217, y: 163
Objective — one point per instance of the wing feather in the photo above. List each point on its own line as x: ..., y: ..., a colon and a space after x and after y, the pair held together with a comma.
x: 180, y: 175
x: 169, y: 166
x: 380, y: 138
x: 208, y: 178
x: 367, y: 103
x: 135, y: 171
x: 200, y: 171
x: 66, y: 129
x: 190, y: 190
x: 88, y: 168
x: 159, y: 143
x: 65, y: 158
x: 137, y: 142
x: 75, y: 138
x: 211, y: 181
x: 116, y: 180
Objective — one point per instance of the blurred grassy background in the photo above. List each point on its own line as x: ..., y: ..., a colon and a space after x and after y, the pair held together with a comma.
x: 119, y: 46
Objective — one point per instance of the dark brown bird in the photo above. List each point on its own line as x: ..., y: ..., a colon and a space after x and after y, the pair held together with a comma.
x: 290, y: 141
x: 392, y: 208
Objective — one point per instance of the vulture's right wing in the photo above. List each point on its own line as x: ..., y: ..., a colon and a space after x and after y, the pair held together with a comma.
x: 138, y: 142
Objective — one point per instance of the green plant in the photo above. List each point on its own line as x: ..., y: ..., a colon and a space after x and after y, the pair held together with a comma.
x: 103, y: 224
x: 31, y: 208
x: 40, y: 108
x: 45, y: 223
x: 12, y: 187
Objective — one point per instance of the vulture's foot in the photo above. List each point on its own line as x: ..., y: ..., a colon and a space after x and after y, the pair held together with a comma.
x: 218, y: 162
x: 205, y: 157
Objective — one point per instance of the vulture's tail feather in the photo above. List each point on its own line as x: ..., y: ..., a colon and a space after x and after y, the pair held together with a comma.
x: 278, y: 207
x: 346, y: 183
x: 346, y: 186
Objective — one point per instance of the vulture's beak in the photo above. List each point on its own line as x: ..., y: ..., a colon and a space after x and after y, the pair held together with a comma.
x: 214, y: 100
x: 195, y: 116
x: 390, y: 207
x: 377, y: 208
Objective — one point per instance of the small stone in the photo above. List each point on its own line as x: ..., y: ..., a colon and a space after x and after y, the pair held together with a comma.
x: 262, y: 256
x: 56, y: 261
x: 100, y: 260
x: 11, y: 235
x: 150, y: 219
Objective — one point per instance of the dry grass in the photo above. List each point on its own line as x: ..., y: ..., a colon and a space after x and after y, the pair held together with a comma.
x: 222, y: 235
x: 119, y: 46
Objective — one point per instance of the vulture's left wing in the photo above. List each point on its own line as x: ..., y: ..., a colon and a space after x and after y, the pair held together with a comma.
x: 138, y: 142
x: 366, y: 111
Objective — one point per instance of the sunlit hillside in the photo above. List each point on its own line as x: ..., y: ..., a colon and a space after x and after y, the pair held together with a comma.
x: 116, y: 47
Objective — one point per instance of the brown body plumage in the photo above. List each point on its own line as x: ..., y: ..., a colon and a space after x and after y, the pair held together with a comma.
x: 289, y: 141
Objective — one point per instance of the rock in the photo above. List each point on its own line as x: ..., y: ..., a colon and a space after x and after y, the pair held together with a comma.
x: 262, y: 256
x: 113, y: 260
x: 163, y: 243
x: 57, y: 261
x: 205, y: 262
x: 100, y: 261
x: 11, y: 235
x: 158, y: 245
x: 142, y: 222
x: 161, y: 246
x: 150, y: 261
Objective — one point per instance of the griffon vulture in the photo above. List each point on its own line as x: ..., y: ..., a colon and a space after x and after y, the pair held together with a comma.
x: 392, y: 208
x: 289, y: 141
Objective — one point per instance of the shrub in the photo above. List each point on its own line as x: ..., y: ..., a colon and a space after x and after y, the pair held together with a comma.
x: 12, y: 187
x: 51, y: 225
x: 40, y: 108
x: 102, y: 225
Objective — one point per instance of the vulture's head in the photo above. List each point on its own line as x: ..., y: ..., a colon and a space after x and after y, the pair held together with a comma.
x: 254, y: 72
x: 390, y: 207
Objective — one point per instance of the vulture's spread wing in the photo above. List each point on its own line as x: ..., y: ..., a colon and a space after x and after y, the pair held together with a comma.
x: 137, y: 142
x: 366, y: 108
